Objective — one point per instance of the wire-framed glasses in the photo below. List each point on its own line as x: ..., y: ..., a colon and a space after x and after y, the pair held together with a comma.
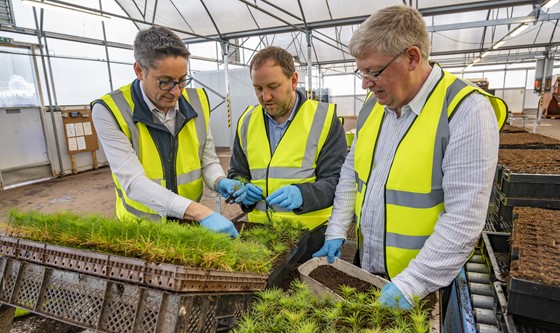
x: 374, y: 75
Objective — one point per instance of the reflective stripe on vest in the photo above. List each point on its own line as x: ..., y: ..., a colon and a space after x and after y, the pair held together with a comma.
x: 293, y: 161
x: 413, y: 200
x: 192, y: 137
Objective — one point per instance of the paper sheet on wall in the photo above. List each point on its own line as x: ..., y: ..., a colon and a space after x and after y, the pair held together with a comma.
x: 79, y: 129
x: 72, y: 144
x: 87, y: 128
x: 81, y: 142
x: 70, y: 130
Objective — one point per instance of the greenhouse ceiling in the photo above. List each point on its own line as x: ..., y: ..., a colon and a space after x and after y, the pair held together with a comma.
x: 462, y: 32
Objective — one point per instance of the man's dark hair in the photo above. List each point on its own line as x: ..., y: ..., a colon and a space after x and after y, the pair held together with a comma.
x: 157, y: 43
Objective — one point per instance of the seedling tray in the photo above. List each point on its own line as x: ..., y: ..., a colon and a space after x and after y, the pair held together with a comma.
x: 526, y: 185
x: 530, y: 146
x: 496, y: 249
x: 164, y: 276
x: 105, y: 305
x: 534, y: 300
x: 306, y: 268
x: 341, y: 265
x: 281, y: 270
x: 528, y: 201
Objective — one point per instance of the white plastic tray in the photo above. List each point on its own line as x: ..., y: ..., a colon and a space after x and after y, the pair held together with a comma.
x: 348, y: 268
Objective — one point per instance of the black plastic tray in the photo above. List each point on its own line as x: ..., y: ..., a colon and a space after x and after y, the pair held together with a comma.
x: 496, y: 253
x: 530, y: 146
x: 534, y: 300
x: 526, y: 185
x: 277, y: 277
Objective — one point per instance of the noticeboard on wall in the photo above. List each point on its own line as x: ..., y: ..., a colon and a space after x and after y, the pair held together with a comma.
x: 79, y: 131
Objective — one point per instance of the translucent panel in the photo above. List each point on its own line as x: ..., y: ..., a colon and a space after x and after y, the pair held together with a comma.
x: 495, y: 79
x: 121, y: 55
x: 201, y: 65
x: 79, y: 82
x: 515, y: 79
x: 341, y: 85
x: 116, y: 29
x: 74, y: 23
x: 17, y: 79
x: 342, y: 9
x: 209, y: 49
x: 58, y: 47
x: 530, y: 79
x: 121, y: 75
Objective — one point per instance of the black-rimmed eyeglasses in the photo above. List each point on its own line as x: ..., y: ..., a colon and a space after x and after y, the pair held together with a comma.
x: 168, y: 85
x: 374, y: 75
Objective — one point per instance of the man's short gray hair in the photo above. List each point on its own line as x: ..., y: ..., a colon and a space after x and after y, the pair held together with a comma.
x: 391, y: 31
x: 157, y: 43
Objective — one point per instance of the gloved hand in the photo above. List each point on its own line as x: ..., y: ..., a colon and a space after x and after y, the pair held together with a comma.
x: 391, y: 296
x: 288, y: 197
x: 227, y: 186
x: 218, y: 223
x: 248, y: 194
x: 331, y: 249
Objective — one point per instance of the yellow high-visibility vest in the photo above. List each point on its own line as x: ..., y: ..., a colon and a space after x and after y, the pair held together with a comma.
x: 413, y: 198
x: 190, y: 143
x: 294, y: 159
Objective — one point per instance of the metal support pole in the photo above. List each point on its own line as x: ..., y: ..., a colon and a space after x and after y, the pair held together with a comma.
x: 51, y: 110
x: 106, y: 50
x: 309, y: 65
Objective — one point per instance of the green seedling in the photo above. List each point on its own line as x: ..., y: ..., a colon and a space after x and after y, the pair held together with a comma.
x: 166, y: 242
x: 301, y: 310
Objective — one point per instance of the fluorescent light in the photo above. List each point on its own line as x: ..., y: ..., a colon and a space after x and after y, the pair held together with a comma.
x: 476, y: 60
x: 469, y: 66
x: 60, y: 7
x: 518, y: 30
x: 550, y: 3
x: 498, y: 44
x: 485, y: 54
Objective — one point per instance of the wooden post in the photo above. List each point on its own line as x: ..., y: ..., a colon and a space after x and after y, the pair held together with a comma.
x: 6, y: 317
x: 74, y: 167
x: 94, y: 160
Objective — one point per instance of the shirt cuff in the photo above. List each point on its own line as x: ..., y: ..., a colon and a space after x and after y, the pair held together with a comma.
x: 179, y: 206
x: 409, y: 288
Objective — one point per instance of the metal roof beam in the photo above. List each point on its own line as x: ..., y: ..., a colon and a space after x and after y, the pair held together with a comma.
x: 475, y: 6
x: 442, y: 10
x: 486, y: 23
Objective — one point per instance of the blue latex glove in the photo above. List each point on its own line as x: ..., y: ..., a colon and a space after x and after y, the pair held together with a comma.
x: 391, y: 296
x: 330, y: 249
x: 288, y: 197
x: 248, y: 195
x: 226, y: 186
x: 218, y: 223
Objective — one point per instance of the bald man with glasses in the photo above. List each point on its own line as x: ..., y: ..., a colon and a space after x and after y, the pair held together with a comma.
x: 156, y: 136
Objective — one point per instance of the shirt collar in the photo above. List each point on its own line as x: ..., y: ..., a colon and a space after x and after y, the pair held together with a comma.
x: 417, y: 103
x: 290, y: 118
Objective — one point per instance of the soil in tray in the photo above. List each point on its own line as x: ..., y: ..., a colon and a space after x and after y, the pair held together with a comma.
x: 333, y: 279
x: 526, y: 138
x: 536, y: 246
x: 533, y: 161
x: 512, y: 129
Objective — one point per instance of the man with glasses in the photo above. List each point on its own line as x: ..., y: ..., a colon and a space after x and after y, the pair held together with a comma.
x: 156, y: 136
x: 419, y: 172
